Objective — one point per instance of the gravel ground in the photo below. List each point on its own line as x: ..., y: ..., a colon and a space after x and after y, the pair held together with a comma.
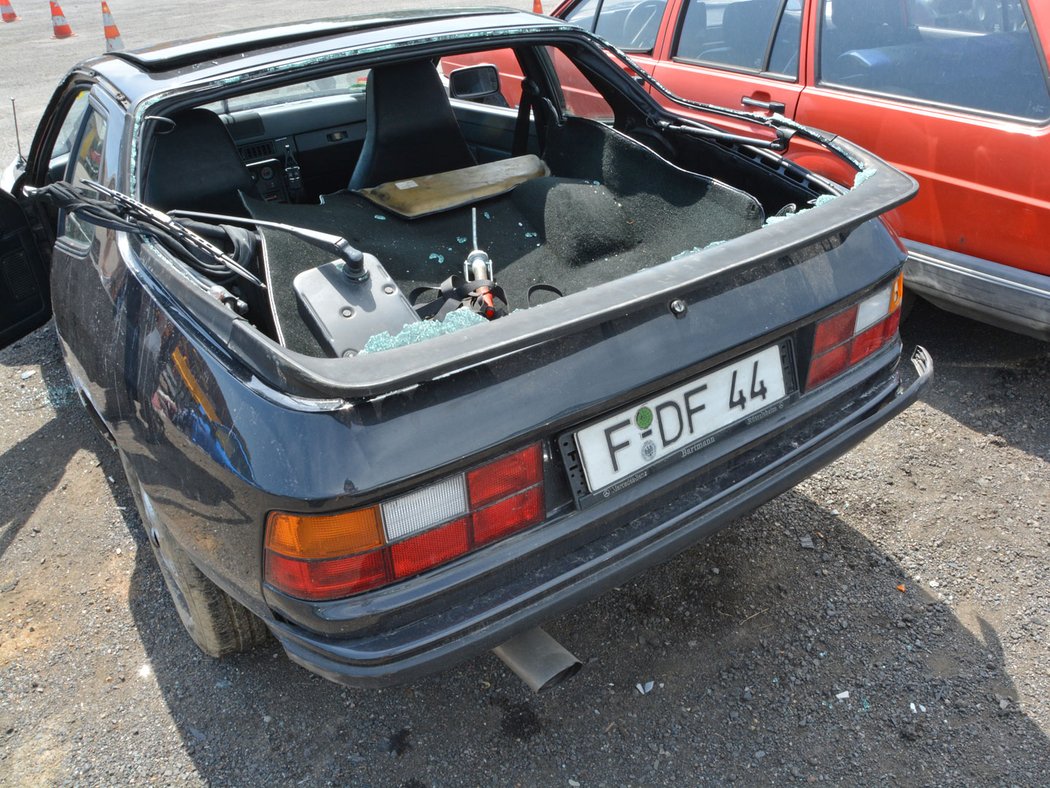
x: 911, y: 574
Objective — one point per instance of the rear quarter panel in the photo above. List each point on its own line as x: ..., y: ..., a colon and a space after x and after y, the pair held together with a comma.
x: 216, y: 450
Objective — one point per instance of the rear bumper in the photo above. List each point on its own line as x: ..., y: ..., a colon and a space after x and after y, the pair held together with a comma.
x: 990, y: 292
x: 386, y: 658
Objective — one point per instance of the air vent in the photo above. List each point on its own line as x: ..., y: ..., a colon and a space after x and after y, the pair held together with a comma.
x: 255, y: 151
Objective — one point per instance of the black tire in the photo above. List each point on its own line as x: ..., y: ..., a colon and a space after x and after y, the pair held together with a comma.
x: 218, y: 624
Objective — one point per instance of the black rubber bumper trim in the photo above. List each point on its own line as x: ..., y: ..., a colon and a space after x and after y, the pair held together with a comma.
x: 345, y: 665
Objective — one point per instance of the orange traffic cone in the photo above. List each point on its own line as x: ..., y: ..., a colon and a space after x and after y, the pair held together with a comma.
x: 537, y: 7
x: 113, y: 42
x: 7, y: 13
x: 59, y: 23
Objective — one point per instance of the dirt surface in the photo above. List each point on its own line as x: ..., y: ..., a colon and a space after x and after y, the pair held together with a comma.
x: 924, y: 596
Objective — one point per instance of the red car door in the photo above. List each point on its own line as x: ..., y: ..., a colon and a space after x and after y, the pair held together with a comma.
x: 956, y: 95
x: 741, y: 54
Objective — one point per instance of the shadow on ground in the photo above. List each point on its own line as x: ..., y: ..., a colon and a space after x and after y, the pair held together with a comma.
x: 750, y: 640
x: 34, y: 467
x: 991, y: 380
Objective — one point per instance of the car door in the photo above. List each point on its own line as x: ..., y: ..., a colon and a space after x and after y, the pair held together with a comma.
x: 25, y: 303
x: 27, y: 232
x: 956, y: 95
x: 740, y: 54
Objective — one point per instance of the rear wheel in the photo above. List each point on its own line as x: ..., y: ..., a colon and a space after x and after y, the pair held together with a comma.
x: 218, y: 624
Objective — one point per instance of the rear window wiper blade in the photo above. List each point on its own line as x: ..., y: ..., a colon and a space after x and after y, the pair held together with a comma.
x: 117, y: 211
x: 783, y: 127
x: 688, y: 126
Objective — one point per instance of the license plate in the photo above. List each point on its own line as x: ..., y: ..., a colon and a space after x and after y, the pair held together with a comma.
x: 681, y: 420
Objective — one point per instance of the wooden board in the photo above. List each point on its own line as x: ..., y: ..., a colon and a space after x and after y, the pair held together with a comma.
x: 427, y: 194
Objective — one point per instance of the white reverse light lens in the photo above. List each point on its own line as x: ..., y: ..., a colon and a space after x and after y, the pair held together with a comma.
x: 425, y: 508
x: 872, y: 309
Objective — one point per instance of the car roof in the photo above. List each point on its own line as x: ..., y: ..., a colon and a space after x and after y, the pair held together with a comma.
x: 211, y: 56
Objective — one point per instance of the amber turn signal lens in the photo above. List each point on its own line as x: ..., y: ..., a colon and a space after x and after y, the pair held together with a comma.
x: 897, y: 294
x: 324, y: 535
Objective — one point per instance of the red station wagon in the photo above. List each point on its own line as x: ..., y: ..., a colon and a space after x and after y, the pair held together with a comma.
x: 953, y: 92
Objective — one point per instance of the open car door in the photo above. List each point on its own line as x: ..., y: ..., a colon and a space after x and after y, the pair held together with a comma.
x: 25, y: 268
x: 25, y: 296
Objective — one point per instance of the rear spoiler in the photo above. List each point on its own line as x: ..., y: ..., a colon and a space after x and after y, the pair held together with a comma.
x: 367, y: 376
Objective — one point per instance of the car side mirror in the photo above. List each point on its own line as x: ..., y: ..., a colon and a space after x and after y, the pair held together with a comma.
x: 473, y: 82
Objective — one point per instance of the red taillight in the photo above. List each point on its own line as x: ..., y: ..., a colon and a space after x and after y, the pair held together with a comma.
x: 430, y: 548
x: 329, y: 556
x: 509, y: 515
x: 326, y: 579
x: 827, y: 365
x: 834, y: 331
x: 853, y: 334
x: 500, y: 478
x: 867, y: 342
x: 891, y: 325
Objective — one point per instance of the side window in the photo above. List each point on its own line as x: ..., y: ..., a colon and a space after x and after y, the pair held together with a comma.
x: 87, y: 166
x: 57, y: 158
x: 973, y: 55
x: 751, y: 35
x: 353, y: 83
x: 581, y: 98
x: 584, y: 14
x: 631, y: 25
x: 70, y: 126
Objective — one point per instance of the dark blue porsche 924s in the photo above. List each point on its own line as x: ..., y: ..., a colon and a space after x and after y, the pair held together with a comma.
x: 403, y: 355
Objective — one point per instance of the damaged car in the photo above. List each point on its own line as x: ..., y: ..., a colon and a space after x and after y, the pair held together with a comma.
x: 404, y: 355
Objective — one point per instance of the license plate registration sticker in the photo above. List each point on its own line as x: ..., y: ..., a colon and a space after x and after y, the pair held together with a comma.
x: 676, y: 421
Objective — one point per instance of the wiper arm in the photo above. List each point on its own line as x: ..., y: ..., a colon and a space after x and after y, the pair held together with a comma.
x: 784, y: 128
x: 699, y: 130
x: 162, y: 222
x: 353, y: 259
x: 117, y: 211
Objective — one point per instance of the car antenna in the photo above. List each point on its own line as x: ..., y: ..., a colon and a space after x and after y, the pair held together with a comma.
x: 477, y: 265
x: 478, y: 268
x: 18, y: 141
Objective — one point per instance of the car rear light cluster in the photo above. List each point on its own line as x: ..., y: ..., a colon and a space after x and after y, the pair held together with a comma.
x: 856, y: 332
x: 330, y: 556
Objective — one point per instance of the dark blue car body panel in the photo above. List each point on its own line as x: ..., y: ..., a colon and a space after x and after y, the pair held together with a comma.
x: 218, y: 426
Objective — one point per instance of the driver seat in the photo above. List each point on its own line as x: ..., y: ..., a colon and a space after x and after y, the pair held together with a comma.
x: 410, y: 128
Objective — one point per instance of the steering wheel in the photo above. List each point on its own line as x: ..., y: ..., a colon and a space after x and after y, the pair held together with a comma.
x: 640, y: 20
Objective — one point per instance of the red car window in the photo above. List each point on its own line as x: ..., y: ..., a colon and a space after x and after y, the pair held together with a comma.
x: 631, y: 25
x: 747, y: 35
x: 978, y: 56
